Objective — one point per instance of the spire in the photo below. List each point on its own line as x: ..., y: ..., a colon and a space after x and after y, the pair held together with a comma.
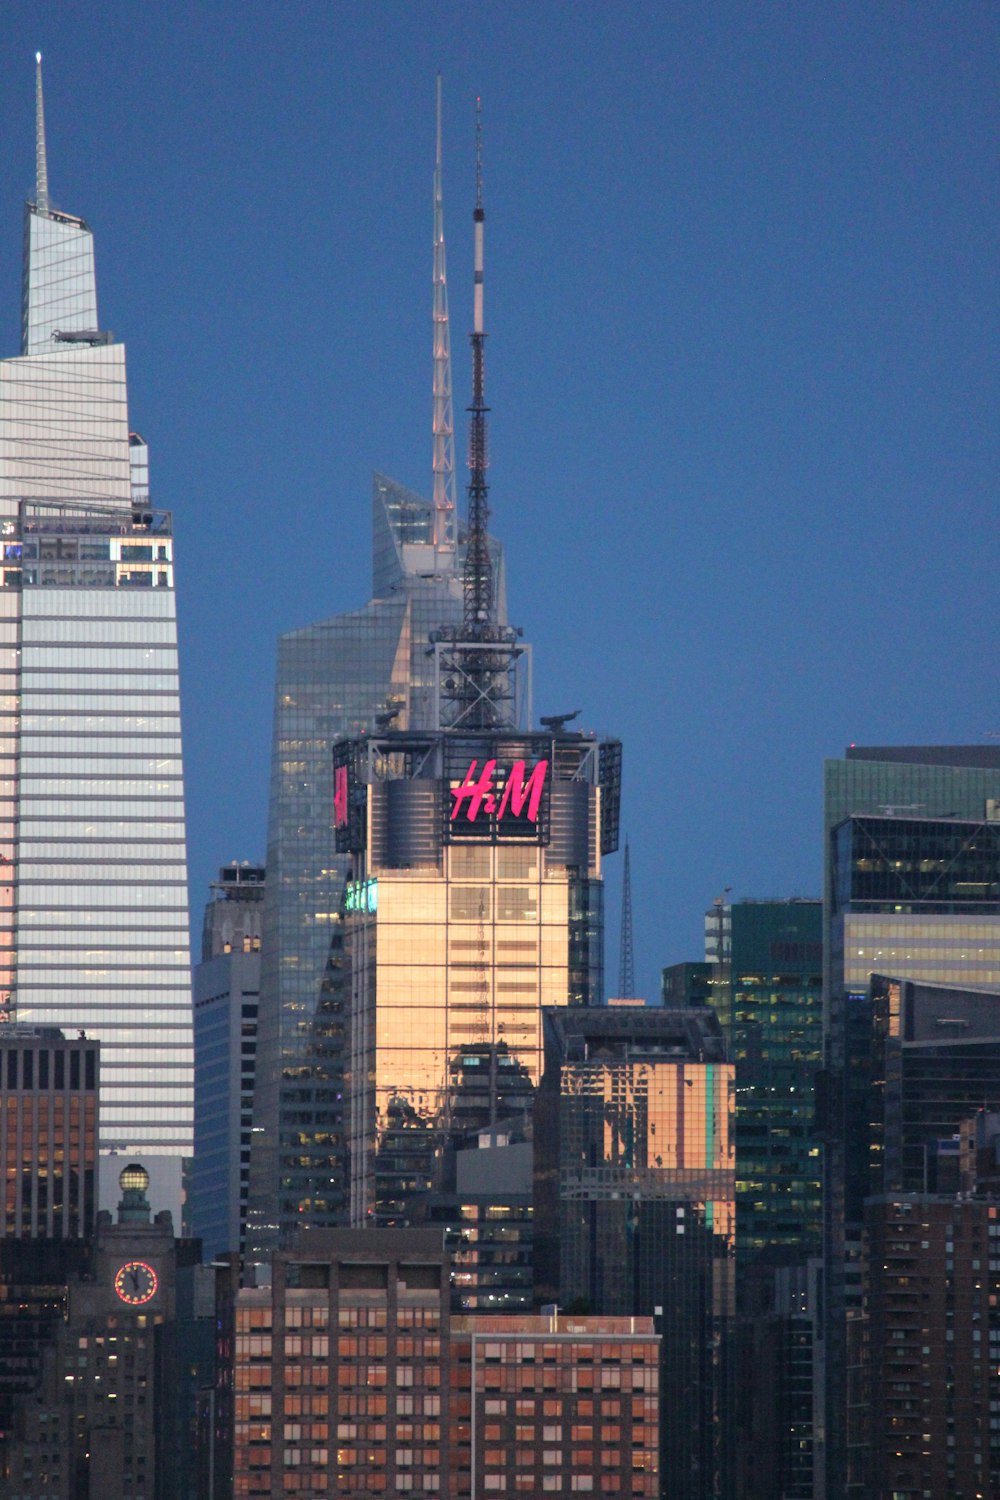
x: 41, y: 164
x: 626, y: 959
x: 478, y: 568
x: 480, y: 684
x: 444, y: 423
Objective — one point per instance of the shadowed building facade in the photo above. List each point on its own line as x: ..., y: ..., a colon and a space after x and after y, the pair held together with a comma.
x: 906, y: 830
x: 635, y: 1209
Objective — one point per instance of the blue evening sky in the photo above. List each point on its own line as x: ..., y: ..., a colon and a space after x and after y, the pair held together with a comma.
x: 742, y: 299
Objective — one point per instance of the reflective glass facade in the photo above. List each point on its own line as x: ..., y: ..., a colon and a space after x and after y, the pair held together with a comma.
x: 635, y: 1206
x: 891, y: 833
x: 768, y: 995
x: 458, y: 931
x: 93, y: 912
x: 333, y: 678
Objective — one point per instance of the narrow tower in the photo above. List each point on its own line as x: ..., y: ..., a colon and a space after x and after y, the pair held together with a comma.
x: 479, y: 682
x: 626, y: 957
x: 41, y: 160
x: 444, y: 422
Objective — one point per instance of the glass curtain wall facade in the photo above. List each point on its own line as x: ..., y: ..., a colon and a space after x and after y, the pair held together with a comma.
x: 635, y: 1207
x: 462, y: 922
x: 93, y: 909
x: 930, y: 938
x: 333, y: 680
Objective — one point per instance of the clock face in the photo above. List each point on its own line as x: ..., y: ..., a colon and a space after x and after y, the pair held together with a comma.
x: 136, y: 1282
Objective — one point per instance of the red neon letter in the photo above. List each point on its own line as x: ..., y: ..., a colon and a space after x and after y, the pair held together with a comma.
x: 518, y: 791
x: 340, y: 797
x: 477, y: 793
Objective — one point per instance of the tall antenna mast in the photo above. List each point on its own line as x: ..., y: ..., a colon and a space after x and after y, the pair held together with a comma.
x: 478, y: 567
x: 480, y: 684
x: 444, y: 422
x: 626, y: 959
x: 41, y: 161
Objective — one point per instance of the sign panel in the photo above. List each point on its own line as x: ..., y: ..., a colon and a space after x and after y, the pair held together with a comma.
x: 499, y: 804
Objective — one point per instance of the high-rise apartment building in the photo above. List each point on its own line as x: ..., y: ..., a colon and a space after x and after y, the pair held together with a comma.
x: 932, y: 1287
x: 93, y: 909
x: 226, y: 1000
x: 352, y: 1378
x: 635, y: 1210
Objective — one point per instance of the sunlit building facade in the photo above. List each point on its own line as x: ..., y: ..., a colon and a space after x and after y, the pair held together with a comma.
x: 635, y: 1206
x: 476, y: 899
x: 334, y: 679
x: 93, y: 906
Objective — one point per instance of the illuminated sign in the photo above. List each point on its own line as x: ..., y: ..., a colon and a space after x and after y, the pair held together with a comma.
x: 340, y: 797
x: 521, y: 795
x: 361, y: 895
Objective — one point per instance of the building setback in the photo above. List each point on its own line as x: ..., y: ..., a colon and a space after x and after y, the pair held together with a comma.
x: 93, y: 900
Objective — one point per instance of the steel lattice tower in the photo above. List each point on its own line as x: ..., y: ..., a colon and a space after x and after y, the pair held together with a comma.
x: 626, y: 958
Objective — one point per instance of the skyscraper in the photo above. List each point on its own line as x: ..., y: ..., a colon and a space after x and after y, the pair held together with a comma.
x: 634, y: 1206
x: 341, y: 677
x: 904, y: 893
x: 226, y: 997
x: 93, y: 909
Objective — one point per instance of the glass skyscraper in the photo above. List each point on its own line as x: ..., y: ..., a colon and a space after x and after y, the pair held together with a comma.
x: 635, y: 1206
x: 93, y: 906
x: 904, y: 894
x: 334, y: 679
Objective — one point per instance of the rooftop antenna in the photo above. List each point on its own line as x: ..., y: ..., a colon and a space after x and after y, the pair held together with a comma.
x: 477, y: 668
x: 478, y: 567
x: 41, y: 162
x: 444, y: 422
x: 626, y: 958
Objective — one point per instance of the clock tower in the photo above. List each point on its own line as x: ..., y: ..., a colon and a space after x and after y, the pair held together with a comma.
x: 134, y: 1259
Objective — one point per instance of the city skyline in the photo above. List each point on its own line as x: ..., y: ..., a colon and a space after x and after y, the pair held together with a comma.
x: 758, y: 406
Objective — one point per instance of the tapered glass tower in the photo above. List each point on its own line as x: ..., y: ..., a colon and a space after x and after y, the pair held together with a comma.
x: 93, y: 906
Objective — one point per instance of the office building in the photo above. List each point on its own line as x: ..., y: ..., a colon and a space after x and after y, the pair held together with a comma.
x: 486, y: 1208
x: 912, y: 915
x: 93, y: 911
x: 475, y: 900
x: 342, y: 677
x: 226, y: 999
x: 635, y: 1208
x: 48, y: 1133
x: 935, y: 1063
x: 352, y: 1378
x: 766, y: 988
x: 767, y: 993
